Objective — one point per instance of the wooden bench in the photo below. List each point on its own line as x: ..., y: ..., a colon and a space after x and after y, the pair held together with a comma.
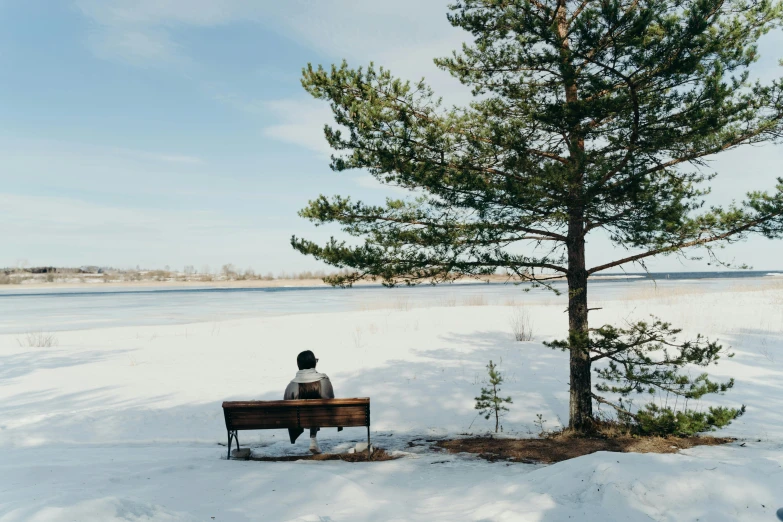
x: 308, y: 413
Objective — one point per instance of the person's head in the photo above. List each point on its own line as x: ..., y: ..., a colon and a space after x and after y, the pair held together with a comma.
x: 306, y: 360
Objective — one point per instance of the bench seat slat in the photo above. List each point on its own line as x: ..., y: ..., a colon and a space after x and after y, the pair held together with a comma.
x: 267, y: 424
x: 248, y: 420
x: 304, y: 408
x: 333, y: 421
x: 326, y: 413
x: 242, y: 421
x: 363, y: 401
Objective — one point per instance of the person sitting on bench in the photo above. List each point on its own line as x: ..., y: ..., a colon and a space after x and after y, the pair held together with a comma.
x: 308, y: 384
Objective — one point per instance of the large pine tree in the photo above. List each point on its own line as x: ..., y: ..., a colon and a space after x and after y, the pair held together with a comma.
x: 590, y: 116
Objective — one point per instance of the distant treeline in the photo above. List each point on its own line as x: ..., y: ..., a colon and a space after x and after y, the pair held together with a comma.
x: 228, y: 272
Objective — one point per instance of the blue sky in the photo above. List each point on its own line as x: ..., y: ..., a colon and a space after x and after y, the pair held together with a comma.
x: 175, y: 132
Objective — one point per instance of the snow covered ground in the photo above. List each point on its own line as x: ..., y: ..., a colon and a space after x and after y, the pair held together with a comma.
x: 124, y: 424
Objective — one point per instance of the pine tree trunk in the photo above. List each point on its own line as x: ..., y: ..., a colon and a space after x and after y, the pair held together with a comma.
x: 581, y: 402
x: 497, y: 406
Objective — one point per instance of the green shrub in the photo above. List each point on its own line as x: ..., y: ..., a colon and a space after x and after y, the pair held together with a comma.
x: 650, y: 358
x: 654, y: 420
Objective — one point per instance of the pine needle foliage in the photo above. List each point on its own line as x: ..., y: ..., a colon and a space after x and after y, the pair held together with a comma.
x: 490, y: 403
x: 647, y: 358
x: 589, y: 117
x: 663, y: 421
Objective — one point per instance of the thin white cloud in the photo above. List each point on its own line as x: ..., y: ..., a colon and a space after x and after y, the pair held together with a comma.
x: 48, y: 230
x: 369, y: 182
x: 404, y: 35
x: 139, y: 47
x: 62, y: 151
x: 166, y: 12
x: 357, y: 28
x: 301, y: 122
x: 300, y: 117
x: 169, y: 158
x: 139, y: 31
x: 73, y: 166
x: 183, y: 159
x: 71, y: 232
x: 240, y: 103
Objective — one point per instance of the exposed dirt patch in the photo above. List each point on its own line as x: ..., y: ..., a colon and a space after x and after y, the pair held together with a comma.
x: 558, y: 448
x: 379, y: 455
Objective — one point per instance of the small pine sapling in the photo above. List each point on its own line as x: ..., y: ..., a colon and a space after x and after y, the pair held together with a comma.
x: 539, y: 422
x: 489, y: 403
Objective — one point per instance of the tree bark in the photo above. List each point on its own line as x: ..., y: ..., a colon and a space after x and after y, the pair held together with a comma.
x: 581, y: 402
x: 497, y: 406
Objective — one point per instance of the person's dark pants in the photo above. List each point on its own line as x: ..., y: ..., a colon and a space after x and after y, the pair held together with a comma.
x: 293, y: 433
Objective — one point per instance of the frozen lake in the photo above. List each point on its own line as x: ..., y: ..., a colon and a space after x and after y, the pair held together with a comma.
x: 23, y: 310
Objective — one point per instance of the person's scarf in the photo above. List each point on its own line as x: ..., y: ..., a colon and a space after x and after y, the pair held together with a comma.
x: 309, y: 375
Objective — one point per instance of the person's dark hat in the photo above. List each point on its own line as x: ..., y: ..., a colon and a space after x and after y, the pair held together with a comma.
x: 306, y: 360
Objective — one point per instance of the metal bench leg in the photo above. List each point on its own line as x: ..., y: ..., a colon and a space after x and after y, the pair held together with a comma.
x: 369, y: 452
x: 230, y: 437
x: 236, y: 438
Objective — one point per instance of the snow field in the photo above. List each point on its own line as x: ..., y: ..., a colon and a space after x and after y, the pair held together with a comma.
x: 124, y: 423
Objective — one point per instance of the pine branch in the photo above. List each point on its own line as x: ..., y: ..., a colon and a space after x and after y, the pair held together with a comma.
x: 687, y: 244
x: 618, y: 409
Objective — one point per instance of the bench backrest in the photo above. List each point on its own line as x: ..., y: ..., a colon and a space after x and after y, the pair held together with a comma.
x: 309, y: 413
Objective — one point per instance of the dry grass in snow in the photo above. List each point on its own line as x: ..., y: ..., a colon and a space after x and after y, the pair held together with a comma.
x: 556, y: 449
x: 38, y: 340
